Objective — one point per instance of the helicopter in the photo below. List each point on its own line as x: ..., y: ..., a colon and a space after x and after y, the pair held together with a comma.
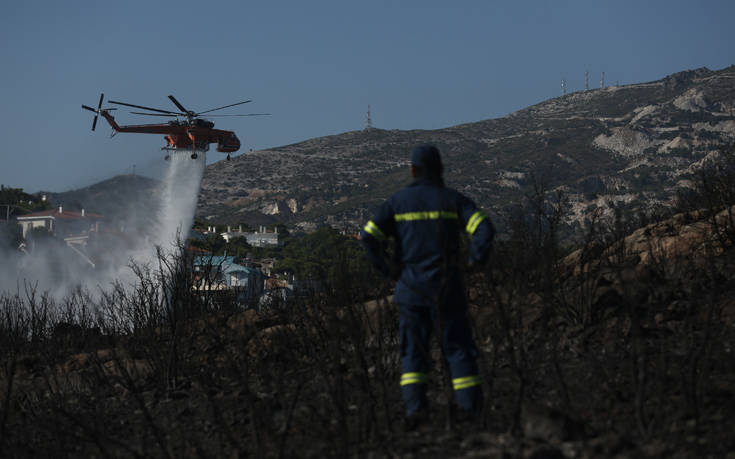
x: 190, y: 133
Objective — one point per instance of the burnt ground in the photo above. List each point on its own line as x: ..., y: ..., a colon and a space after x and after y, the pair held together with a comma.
x: 649, y: 374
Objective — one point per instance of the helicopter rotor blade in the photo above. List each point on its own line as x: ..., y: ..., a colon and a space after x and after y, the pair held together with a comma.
x: 145, y: 108
x: 220, y: 108
x: 176, y: 102
x: 97, y: 113
x: 87, y: 107
x: 155, y: 114
x: 248, y: 114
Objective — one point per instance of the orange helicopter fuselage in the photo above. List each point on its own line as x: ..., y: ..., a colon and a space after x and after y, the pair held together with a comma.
x: 196, y: 134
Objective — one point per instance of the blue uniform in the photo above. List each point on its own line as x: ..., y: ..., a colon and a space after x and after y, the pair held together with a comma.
x: 426, y: 220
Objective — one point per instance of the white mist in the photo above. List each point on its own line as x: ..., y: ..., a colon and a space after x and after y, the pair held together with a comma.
x: 52, y: 269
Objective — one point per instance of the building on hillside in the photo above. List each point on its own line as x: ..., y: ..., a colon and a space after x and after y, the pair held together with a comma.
x: 260, y: 238
x: 224, y: 273
x: 61, y: 223
x: 74, y: 228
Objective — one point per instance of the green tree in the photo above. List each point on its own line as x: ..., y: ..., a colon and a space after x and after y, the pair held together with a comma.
x: 213, y: 243
x: 317, y: 255
x: 238, y: 247
x: 25, y: 201
x: 280, y: 228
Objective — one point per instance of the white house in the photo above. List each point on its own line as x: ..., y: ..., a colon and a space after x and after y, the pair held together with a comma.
x: 260, y: 238
x: 60, y: 223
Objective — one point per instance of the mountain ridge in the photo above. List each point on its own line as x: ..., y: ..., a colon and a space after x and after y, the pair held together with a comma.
x: 633, y: 145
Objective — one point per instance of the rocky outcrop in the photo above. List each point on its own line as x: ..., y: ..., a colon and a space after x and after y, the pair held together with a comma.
x: 693, y: 100
x: 625, y: 142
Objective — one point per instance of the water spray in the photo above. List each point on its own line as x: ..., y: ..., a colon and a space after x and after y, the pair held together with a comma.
x: 54, y: 266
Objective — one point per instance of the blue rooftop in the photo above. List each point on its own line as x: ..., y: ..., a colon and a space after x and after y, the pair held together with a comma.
x: 227, y: 264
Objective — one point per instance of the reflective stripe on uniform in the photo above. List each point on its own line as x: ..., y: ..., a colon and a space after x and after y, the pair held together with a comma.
x: 426, y: 215
x: 474, y: 221
x: 467, y: 381
x: 373, y: 230
x: 413, y: 378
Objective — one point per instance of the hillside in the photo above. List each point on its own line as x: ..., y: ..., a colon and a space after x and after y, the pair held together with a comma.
x: 635, y: 145
x: 124, y: 199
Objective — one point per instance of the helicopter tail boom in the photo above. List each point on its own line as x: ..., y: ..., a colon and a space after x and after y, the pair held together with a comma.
x: 104, y: 112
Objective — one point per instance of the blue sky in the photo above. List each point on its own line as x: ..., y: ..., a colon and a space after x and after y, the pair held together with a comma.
x: 315, y: 66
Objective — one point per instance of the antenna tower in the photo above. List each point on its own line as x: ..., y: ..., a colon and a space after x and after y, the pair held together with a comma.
x: 602, y: 81
x: 368, y: 120
x: 564, y: 86
x: 586, y: 80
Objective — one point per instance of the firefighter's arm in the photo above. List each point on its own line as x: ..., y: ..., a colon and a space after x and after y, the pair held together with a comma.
x: 374, y: 236
x: 480, y: 229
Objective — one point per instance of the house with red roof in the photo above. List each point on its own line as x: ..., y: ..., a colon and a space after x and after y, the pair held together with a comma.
x: 61, y: 223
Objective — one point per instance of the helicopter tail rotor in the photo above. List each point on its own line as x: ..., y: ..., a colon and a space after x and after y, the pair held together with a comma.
x: 97, y: 111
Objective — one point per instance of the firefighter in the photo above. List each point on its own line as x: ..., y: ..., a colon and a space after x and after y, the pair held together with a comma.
x: 426, y: 220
